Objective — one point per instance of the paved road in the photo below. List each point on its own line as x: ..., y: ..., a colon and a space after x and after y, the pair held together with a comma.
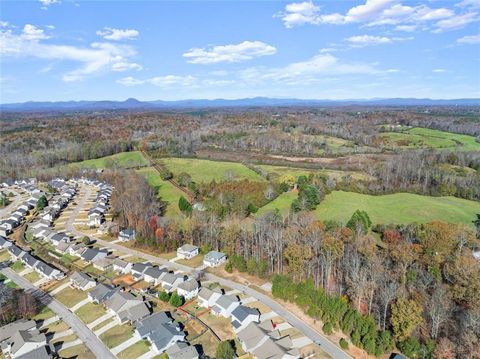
x: 330, y: 348
x: 82, y: 331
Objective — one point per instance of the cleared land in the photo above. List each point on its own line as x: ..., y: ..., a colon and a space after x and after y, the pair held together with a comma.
x: 278, y: 171
x: 123, y: 160
x: 398, y: 208
x: 207, y: 171
x: 116, y: 335
x: 165, y: 190
x: 426, y: 138
x: 282, y: 203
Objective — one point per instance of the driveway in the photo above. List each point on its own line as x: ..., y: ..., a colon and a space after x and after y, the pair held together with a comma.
x: 91, y: 341
x: 324, y: 343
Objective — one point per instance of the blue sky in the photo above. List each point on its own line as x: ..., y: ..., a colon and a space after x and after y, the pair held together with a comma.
x: 91, y: 50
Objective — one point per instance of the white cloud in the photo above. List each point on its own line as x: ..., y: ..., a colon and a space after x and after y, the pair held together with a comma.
x: 301, y: 13
x: 99, y: 57
x: 31, y: 32
x: 367, y: 40
x: 456, y: 22
x: 439, y: 71
x: 381, y: 13
x: 244, y: 51
x: 311, y: 70
x: 109, y: 33
x: 47, y: 3
x: 469, y: 39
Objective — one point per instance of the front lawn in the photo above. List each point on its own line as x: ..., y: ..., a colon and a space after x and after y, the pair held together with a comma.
x: 69, y: 296
x: 135, y: 350
x: 4, y: 256
x: 116, y: 335
x: 18, y: 266
x: 90, y: 312
x: 194, y: 262
x: 78, y: 352
x: 45, y: 313
x: 32, y: 277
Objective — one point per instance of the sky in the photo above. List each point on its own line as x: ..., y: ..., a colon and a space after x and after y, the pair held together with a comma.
x: 60, y: 50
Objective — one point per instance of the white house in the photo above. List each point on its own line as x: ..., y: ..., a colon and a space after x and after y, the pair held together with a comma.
x: 82, y: 281
x: 225, y: 305
x: 121, y: 266
x: 214, y: 259
x: 153, y: 275
x: 242, y: 316
x: 170, y: 281
x: 207, y: 297
x: 188, y: 289
x: 187, y: 251
x: 126, y: 235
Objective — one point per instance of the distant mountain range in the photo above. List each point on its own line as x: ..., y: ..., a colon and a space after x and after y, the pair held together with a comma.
x: 135, y: 104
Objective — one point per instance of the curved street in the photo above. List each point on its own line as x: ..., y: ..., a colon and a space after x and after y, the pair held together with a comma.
x: 326, y: 345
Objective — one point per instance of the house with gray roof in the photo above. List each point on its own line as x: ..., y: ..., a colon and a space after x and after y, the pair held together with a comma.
x: 82, y: 281
x: 22, y: 324
x: 15, y: 252
x: 121, y: 266
x: 101, y: 293
x: 47, y: 271
x: 188, y: 289
x: 160, y: 330
x: 187, y: 251
x: 263, y: 342
x: 214, y: 259
x: 182, y: 350
x: 225, y: 305
x: 29, y: 260
x: 63, y: 247
x: 126, y: 234
x: 23, y: 343
x: 153, y: 275
x: 127, y: 307
x: 170, y: 281
x: 138, y: 269
x: 207, y: 297
x: 4, y: 243
x: 242, y: 316
x: 90, y: 255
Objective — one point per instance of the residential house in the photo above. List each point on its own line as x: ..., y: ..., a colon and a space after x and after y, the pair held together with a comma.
x: 22, y: 324
x: 63, y: 247
x: 207, y: 297
x: 242, y: 316
x: 16, y: 252
x: 58, y: 237
x: 153, y: 275
x: 103, y: 264
x: 4, y: 243
x: 77, y: 249
x: 9, y: 224
x: 127, y: 307
x: 138, y: 269
x: 48, y: 272
x: 188, y: 289
x: 29, y: 260
x: 126, y: 234
x: 121, y: 266
x: 170, y: 281
x: 4, y: 231
x: 160, y: 330
x: 187, y: 251
x: 26, y: 344
x: 95, y: 219
x: 82, y: 281
x: 91, y: 255
x: 182, y: 350
x: 263, y: 342
x: 101, y: 293
x: 214, y: 259
x: 225, y: 305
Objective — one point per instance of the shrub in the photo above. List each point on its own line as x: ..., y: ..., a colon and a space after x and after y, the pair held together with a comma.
x: 164, y: 296
x: 343, y: 344
x: 229, y: 267
x: 327, y: 328
x: 176, y: 300
x: 225, y: 350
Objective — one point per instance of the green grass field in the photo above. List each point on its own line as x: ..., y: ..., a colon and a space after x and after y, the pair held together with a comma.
x: 278, y: 171
x: 398, y: 208
x: 282, y: 203
x: 165, y: 190
x: 123, y: 160
x: 206, y: 171
x: 418, y: 137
